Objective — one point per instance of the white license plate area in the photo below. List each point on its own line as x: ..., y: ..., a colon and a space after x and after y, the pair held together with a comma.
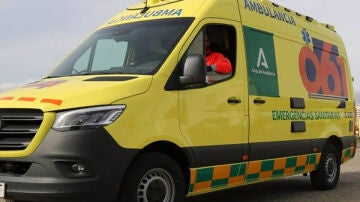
x: 2, y: 190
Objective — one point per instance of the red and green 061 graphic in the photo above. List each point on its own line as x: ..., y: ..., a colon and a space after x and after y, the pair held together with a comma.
x: 322, y: 70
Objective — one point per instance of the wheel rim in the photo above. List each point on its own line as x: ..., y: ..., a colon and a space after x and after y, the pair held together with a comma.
x: 331, y: 167
x: 157, y: 185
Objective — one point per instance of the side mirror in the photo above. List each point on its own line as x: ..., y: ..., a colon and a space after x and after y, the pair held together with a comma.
x: 194, y: 70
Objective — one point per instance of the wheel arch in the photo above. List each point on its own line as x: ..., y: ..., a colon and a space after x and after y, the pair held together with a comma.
x: 180, y: 155
x: 336, y: 142
x: 175, y: 152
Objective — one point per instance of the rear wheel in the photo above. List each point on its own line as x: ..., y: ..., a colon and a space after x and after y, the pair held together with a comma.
x: 328, y: 172
x: 153, y: 177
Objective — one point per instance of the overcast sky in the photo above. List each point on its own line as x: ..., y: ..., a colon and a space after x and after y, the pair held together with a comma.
x: 36, y: 34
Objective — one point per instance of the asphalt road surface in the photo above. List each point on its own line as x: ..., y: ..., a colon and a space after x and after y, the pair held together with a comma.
x: 296, y: 188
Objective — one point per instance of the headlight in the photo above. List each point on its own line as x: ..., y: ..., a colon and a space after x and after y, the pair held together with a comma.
x: 93, y: 117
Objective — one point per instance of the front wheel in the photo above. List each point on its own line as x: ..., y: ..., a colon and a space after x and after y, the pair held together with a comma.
x: 153, y: 177
x: 327, y: 175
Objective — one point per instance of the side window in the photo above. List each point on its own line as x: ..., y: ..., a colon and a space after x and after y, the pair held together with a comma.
x: 218, y: 45
x: 197, y: 46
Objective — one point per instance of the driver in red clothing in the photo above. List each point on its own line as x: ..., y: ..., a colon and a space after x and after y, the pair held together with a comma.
x: 215, y: 61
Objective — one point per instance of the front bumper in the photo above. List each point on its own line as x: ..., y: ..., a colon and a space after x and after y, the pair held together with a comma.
x: 48, y: 174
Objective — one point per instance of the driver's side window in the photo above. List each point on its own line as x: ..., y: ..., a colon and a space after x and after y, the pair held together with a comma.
x: 197, y: 46
x: 217, y: 43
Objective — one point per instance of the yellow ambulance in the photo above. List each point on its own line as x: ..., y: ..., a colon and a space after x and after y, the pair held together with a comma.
x: 138, y: 113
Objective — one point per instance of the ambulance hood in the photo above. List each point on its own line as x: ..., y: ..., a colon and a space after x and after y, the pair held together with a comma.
x: 74, y: 92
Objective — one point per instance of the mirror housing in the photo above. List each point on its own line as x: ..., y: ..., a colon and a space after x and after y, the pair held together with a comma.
x: 194, y: 70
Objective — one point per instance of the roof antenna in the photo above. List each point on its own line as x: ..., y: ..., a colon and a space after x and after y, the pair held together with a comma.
x: 146, y: 8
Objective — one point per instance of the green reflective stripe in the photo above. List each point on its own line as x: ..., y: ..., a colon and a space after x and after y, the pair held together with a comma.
x: 222, y: 176
x: 204, y: 174
x: 347, y: 154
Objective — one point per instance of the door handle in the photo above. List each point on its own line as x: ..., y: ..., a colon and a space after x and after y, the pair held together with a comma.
x: 234, y: 100
x: 259, y: 101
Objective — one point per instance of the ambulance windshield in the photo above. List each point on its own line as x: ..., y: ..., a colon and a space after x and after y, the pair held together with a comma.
x: 133, y: 48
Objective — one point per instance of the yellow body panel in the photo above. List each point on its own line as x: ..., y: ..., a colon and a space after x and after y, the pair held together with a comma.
x: 172, y: 113
x: 172, y: 9
x: 290, y: 85
x: 193, y: 117
x: 72, y: 92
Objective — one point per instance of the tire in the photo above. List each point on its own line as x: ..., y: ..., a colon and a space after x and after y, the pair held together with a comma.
x: 153, y: 177
x: 327, y: 175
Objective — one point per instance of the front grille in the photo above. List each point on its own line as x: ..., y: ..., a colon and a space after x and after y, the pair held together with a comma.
x: 18, y: 127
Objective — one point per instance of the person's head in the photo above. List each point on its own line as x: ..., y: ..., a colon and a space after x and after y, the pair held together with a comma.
x: 210, y: 45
